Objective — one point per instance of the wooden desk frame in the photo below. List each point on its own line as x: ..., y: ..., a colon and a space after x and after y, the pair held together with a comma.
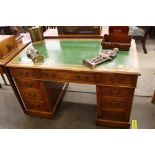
x: 114, y: 89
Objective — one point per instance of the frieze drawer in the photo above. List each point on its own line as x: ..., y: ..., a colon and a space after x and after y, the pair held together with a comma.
x: 115, y: 103
x: 23, y: 73
x: 51, y: 75
x: 24, y: 83
x: 118, y: 79
x: 80, y: 77
x: 115, y: 115
x: 116, y: 91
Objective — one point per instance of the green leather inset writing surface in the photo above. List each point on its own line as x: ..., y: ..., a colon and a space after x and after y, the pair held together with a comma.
x: 71, y: 52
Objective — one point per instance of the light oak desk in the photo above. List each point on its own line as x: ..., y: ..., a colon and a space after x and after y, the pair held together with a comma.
x: 42, y: 85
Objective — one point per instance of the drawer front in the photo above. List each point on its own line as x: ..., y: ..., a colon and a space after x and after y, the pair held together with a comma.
x: 118, y: 79
x: 37, y: 105
x: 115, y: 103
x: 49, y: 75
x: 25, y: 73
x: 36, y: 95
x: 115, y: 115
x: 81, y: 77
x: 116, y: 91
x: 35, y: 100
x: 22, y: 83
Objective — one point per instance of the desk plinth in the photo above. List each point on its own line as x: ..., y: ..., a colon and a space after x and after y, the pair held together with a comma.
x: 42, y: 86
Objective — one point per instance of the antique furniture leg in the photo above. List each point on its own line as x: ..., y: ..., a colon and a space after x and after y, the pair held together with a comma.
x: 143, y: 40
x: 153, y: 98
x: 4, y: 80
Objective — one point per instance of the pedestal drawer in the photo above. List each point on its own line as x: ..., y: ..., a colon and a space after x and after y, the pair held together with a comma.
x: 36, y: 95
x: 115, y: 115
x: 35, y: 100
x: 114, y: 102
x: 37, y: 105
x: 24, y: 83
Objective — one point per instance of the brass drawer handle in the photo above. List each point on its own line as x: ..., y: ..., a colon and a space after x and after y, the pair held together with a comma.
x: 32, y: 95
x: 46, y: 74
x: 113, y: 92
x: 78, y: 77
x: 53, y: 75
x: 24, y: 74
x: 49, y: 75
x: 86, y: 77
x: 29, y: 85
x: 114, y: 104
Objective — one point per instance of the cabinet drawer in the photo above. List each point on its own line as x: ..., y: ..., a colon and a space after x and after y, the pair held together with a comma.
x: 23, y: 83
x: 26, y: 73
x: 116, y: 91
x: 81, y: 77
x: 118, y: 79
x: 115, y: 103
x: 37, y: 105
x: 36, y: 95
x: 47, y: 74
x: 114, y: 115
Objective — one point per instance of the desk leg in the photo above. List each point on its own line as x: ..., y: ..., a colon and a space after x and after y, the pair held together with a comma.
x: 4, y: 80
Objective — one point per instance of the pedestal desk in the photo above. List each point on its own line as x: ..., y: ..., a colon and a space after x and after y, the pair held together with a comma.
x: 42, y: 85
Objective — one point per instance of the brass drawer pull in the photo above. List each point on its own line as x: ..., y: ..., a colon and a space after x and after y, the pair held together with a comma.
x: 113, y: 92
x: 114, y: 104
x: 29, y: 85
x: 86, y: 77
x: 32, y: 95
x: 78, y: 77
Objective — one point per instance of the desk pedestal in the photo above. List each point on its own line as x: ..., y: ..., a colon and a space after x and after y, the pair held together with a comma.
x: 43, y: 89
x: 41, y: 98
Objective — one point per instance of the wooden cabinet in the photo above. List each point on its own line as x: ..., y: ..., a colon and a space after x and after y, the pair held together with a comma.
x: 40, y: 98
x: 114, y: 104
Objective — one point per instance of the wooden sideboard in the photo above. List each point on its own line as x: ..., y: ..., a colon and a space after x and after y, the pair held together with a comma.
x: 41, y: 86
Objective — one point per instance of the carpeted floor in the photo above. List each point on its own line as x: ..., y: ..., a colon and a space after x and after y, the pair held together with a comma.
x: 146, y: 82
